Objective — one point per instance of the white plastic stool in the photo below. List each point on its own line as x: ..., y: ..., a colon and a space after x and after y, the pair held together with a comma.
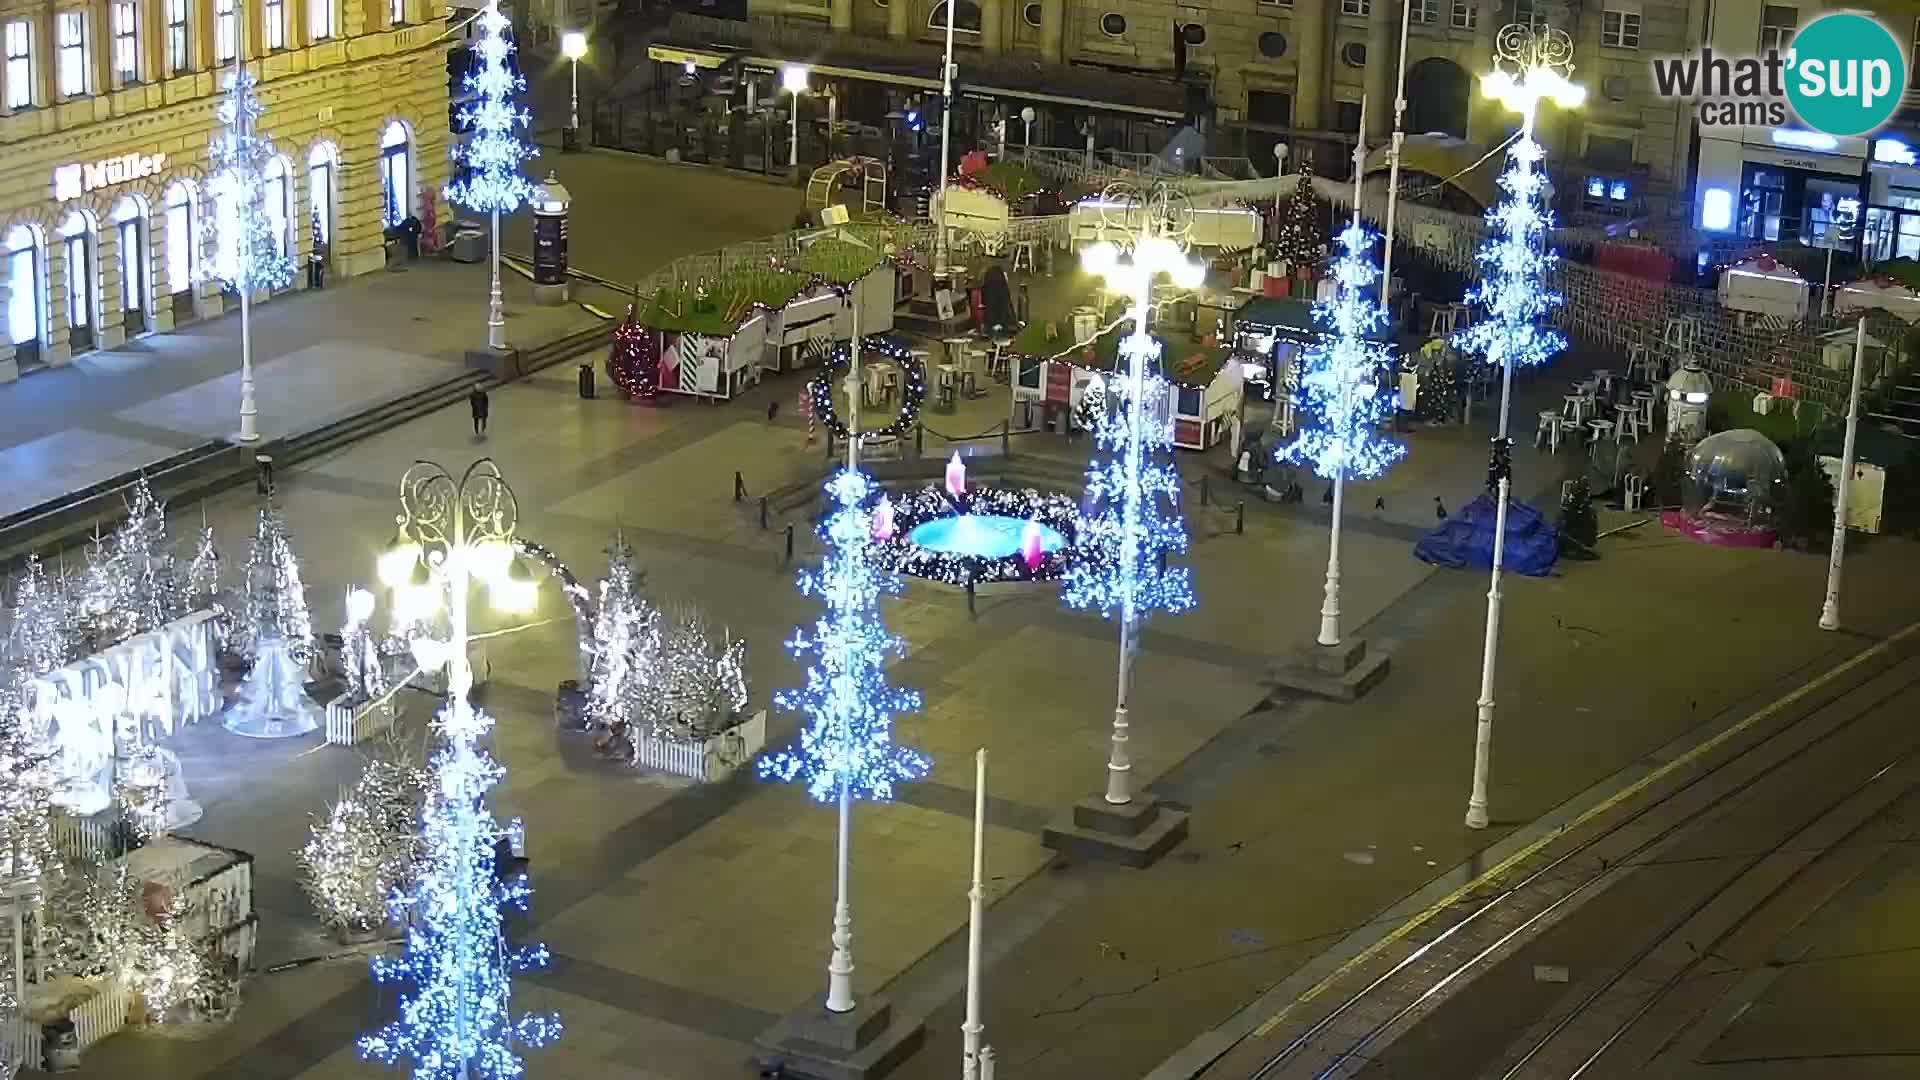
x: 1548, y: 430
x: 1441, y: 322
x: 1627, y: 424
x: 1639, y: 363
x: 1023, y: 254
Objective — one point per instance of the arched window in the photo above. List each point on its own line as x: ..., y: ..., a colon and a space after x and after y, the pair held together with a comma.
x: 76, y: 239
x: 322, y: 160
x: 276, y: 198
x: 396, y: 173
x: 966, y: 17
x: 181, y: 240
x: 26, y: 311
x: 130, y: 232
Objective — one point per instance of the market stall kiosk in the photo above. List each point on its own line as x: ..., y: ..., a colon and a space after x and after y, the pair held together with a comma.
x: 1208, y: 380
x: 1764, y: 286
x: 714, y: 336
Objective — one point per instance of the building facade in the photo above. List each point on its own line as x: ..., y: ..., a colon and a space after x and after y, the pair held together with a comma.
x: 106, y: 109
x: 1295, y: 71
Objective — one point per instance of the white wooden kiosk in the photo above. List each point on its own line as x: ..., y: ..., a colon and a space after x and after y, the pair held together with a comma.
x: 1765, y: 287
x: 1222, y: 228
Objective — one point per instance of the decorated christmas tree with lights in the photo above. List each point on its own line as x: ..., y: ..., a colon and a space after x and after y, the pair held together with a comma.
x: 248, y: 253
x: 489, y: 177
x: 1299, y: 242
x: 626, y: 637
x: 634, y: 362
x: 275, y: 601
x: 1340, y: 393
x: 366, y: 847
x: 456, y: 1020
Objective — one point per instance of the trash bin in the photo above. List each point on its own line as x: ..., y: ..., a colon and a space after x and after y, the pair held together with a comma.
x: 263, y: 480
x: 586, y: 381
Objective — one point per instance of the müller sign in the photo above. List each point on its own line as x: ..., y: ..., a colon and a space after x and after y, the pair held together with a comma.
x: 74, y: 180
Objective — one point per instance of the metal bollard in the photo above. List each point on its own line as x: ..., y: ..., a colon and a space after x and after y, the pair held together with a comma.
x: 919, y: 441
x: 789, y: 541
x: 970, y: 608
x: 1006, y: 438
x: 763, y: 513
x: 1240, y: 518
x: 1206, y: 491
x: 739, y: 486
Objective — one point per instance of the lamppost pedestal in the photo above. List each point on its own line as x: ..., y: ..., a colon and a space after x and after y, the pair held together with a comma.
x: 862, y: 1044
x: 1132, y: 833
x: 1343, y: 672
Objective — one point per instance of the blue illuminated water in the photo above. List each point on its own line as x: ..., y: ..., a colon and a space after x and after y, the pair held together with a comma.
x: 988, y: 536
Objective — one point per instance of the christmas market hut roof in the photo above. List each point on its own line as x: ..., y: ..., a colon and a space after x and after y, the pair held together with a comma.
x: 1010, y: 180
x: 841, y: 262
x: 1289, y: 317
x: 1186, y: 361
x: 729, y: 302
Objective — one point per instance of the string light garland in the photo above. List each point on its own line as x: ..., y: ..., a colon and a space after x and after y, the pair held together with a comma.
x: 1515, y: 265
x: 847, y: 746
x: 913, y: 391
x: 1340, y: 377
x: 908, y: 511
x: 455, y: 1020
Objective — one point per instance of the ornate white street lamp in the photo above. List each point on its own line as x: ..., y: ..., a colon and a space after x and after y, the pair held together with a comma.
x: 573, y: 46
x: 1530, y: 66
x: 793, y: 79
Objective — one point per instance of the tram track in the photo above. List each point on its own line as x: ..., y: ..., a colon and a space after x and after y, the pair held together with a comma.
x: 1345, y: 1038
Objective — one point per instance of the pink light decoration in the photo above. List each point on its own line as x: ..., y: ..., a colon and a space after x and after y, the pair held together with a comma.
x: 883, y: 519
x: 1031, y: 551
x: 956, y: 476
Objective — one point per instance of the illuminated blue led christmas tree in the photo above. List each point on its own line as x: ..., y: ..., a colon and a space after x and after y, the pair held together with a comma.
x: 492, y: 153
x: 846, y: 750
x: 490, y: 181
x: 1515, y: 263
x: 456, y: 1020
x: 1340, y: 375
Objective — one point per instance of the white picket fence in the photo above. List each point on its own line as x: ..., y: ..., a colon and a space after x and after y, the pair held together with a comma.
x: 81, y: 838
x: 349, y: 725
x: 708, y: 760
x: 94, y: 1019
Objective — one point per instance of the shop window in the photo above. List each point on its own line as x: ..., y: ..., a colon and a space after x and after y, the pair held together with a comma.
x: 1829, y: 209
x: 396, y: 173
x: 1270, y: 107
x: 1113, y: 24
x: 26, y: 313
x: 273, y: 24
x: 966, y: 17
x: 180, y: 238
x: 226, y: 32
x: 1466, y: 14
x: 179, y: 40
x: 126, y: 43
x: 276, y: 194
x: 1609, y: 150
x: 1620, y: 29
x: 321, y: 162
x: 1762, y: 204
x: 1527, y: 13
x: 130, y: 229
x: 19, y: 71
x: 70, y: 53
x: 76, y: 240
x: 1424, y: 11
x: 1356, y: 7
x: 397, y: 12
x: 1777, y: 24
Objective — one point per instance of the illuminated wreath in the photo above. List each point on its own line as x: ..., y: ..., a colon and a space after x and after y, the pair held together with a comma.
x: 912, y: 395
x: 931, y: 503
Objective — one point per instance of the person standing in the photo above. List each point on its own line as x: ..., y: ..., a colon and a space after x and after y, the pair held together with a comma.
x: 477, y: 401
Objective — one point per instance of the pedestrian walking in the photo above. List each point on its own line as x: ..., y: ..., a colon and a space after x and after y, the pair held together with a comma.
x: 477, y: 401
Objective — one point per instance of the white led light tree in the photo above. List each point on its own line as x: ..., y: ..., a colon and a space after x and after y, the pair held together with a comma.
x: 492, y: 182
x: 248, y: 254
x: 1531, y: 66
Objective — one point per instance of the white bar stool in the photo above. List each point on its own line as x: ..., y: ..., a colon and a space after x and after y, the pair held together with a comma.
x: 1626, y: 424
x: 1548, y: 430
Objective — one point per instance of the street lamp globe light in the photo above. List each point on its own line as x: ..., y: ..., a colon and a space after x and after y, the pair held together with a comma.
x: 793, y: 79
x: 573, y: 44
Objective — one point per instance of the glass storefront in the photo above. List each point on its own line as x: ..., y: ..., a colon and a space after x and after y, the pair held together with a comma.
x: 1781, y: 204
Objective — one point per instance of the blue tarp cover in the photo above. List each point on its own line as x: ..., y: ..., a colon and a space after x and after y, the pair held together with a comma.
x: 1466, y: 539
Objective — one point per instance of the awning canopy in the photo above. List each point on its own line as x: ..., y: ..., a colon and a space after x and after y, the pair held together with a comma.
x: 712, y: 42
x: 1444, y: 157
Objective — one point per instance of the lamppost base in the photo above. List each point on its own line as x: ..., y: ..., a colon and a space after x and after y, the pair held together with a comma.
x: 499, y: 363
x: 1342, y: 672
x: 1132, y: 834
x: 569, y: 140
x: 864, y: 1044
